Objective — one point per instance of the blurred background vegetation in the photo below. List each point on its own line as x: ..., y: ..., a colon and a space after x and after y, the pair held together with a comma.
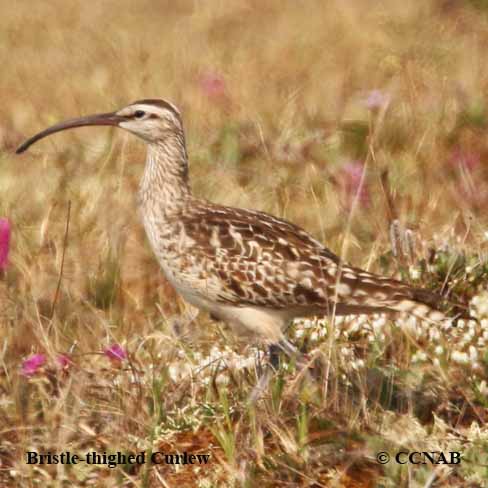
x: 285, y: 105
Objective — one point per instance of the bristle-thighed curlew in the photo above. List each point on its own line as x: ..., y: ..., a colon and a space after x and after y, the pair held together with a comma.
x: 245, y: 267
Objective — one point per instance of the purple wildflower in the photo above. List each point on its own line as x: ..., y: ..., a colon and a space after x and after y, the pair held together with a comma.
x: 31, y: 365
x: 350, y: 181
x: 4, y: 242
x: 376, y: 100
x: 115, y: 352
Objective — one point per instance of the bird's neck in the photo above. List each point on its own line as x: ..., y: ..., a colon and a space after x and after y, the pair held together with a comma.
x: 164, y: 186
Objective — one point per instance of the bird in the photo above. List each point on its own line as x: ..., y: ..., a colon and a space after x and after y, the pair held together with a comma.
x: 250, y: 269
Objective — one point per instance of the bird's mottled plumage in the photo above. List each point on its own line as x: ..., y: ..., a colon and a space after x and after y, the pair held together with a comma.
x: 246, y: 267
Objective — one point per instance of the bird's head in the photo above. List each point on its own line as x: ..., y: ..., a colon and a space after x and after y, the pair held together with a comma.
x: 151, y: 120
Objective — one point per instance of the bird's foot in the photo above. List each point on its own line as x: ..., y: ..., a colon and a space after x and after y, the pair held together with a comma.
x: 302, y: 363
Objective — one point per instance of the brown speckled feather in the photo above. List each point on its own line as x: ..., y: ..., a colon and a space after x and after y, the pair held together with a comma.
x: 260, y: 260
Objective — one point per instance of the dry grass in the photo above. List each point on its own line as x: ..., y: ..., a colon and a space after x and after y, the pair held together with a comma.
x: 291, y: 116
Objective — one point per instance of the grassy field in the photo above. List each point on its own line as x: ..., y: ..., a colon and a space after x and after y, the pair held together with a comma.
x: 285, y: 105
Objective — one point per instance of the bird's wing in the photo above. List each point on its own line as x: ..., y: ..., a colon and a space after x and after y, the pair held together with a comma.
x: 268, y: 262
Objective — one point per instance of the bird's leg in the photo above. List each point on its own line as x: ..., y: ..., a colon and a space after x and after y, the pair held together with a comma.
x: 272, y: 366
x: 274, y: 351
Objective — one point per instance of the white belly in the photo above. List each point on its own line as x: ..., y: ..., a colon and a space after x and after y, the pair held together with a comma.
x: 185, y: 273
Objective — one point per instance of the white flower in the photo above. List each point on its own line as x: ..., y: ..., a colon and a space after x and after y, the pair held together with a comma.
x: 447, y: 325
x: 483, y: 388
x: 460, y: 357
x: 354, y: 327
x: 308, y: 324
x: 358, y: 364
x: 378, y: 324
x: 473, y: 353
x: 173, y: 371
x: 412, y: 324
x: 222, y: 379
x: 480, y: 302
x: 339, y: 320
x: 419, y: 356
x: 434, y: 334
x: 414, y: 272
x: 361, y: 319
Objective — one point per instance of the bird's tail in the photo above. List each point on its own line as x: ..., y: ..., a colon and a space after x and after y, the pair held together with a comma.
x: 376, y: 292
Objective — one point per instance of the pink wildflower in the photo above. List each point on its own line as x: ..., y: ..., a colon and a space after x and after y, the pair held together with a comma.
x: 31, y: 365
x: 376, y: 99
x: 4, y: 242
x: 350, y: 180
x: 212, y: 85
x: 115, y: 352
x: 468, y: 160
x: 64, y: 361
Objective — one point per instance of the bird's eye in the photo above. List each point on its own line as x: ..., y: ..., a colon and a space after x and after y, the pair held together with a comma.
x: 138, y: 114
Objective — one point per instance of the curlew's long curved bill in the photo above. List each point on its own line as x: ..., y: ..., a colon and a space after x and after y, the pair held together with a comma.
x: 110, y: 118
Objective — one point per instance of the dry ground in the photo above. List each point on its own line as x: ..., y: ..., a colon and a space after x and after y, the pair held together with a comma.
x: 283, y: 102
